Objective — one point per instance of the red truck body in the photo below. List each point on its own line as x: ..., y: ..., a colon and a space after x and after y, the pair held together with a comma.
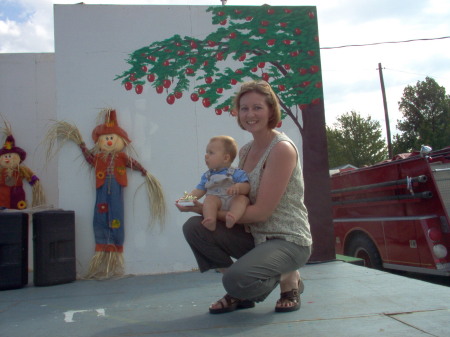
x: 395, y: 215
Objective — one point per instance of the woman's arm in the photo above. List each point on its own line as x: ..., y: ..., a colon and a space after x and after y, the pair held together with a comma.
x: 275, y: 177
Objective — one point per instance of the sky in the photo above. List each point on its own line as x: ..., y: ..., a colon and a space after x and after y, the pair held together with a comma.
x: 355, y: 37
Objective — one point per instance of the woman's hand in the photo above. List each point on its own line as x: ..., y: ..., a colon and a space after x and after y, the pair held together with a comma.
x: 197, y: 208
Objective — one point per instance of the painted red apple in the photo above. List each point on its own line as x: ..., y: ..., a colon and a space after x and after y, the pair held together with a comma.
x: 306, y: 83
x: 170, y: 99
x: 194, y: 97
x: 220, y: 13
x: 233, y: 81
x: 261, y: 64
x: 265, y: 77
x: 287, y: 42
x: 271, y: 42
x: 297, y: 31
x: 166, y: 63
x: 254, y: 70
x: 223, y: 23
x: 219, y: 90
x: 303, y: 107
x: 318, y: 85
x: 270, y: 11
x: 294, y: 53
x: 311, y: 15
x: 181, y: 52
x: 283, y: 24
x: 192, y: 60
x: 128, y: 85
x: 205, y: 63
x: 144, y: 69
x: 219, y: 56
x: 287, y: 66
x: 193, y: 45
x: 211, y: 43
x: 218, y: 112
x: 159, y: 89
x: 237, y: 11
x: 314, y: 69
x: 151, y: 58
x: 303, y: 71
x: 264, y: 23
x: 311, y: 52
x: 178, y: 94
x: 287, y: 10
x: 167, y: 83
x: 208, y: 80
x: 262, y: 30
x: 151, y: 77
x: 206, y: 102
x: 201, y: 91
x: 232, y: 35
x: 133, y: 77
x: 225, y: 108
x: 139, y: 88
x: 189, y: 71
x: 238, y: 71
x: 316, y: 101
x: 281, y: 87
x: 242, y: 57
x: 249, y: 18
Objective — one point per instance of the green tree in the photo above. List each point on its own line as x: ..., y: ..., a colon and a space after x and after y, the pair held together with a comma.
x: 355, y: 140
x: 426, y: 117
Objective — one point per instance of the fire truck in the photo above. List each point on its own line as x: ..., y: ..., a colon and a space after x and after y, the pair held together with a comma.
x: 395, y: 215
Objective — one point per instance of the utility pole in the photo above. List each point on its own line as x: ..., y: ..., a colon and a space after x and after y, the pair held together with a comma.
x: 386, y: 114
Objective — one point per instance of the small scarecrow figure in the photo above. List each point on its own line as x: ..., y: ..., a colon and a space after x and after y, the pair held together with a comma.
x: 110, y: 163
x: 12, y: 174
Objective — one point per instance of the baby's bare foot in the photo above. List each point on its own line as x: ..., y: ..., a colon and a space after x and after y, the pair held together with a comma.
x: 209, y: 223
x: 230, y: 220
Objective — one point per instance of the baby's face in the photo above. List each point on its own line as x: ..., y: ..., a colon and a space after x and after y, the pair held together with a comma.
x: 110, y: 143
x: 215, y: 156
x: 9, y: 160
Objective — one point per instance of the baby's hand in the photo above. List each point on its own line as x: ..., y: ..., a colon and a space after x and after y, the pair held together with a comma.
x: 233, y: 190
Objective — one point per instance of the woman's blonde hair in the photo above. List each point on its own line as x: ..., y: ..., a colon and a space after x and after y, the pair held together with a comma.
x: 263, y: 88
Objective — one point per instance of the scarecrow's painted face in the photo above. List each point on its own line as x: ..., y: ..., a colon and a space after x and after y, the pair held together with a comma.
x: 110, y: 143
x: 9, y: 160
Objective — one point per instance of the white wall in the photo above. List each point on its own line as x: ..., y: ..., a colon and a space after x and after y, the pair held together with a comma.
x: 92, y: 43
x: 27, y: 102
x: 91, y: 46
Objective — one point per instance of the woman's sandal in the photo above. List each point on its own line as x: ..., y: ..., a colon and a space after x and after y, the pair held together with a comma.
x: 292, y: 296
x: 232, y: 305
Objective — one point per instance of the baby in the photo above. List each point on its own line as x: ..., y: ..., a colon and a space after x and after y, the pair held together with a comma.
x: 226, y: 188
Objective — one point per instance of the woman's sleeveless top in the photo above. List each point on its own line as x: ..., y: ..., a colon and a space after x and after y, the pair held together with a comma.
x: 289, y: 221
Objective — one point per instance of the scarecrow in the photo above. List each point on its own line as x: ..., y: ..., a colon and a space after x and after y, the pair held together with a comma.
x: 12, y: 174
x: 110, y: 162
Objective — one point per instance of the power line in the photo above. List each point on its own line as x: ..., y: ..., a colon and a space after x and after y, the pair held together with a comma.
x: 390, y: 42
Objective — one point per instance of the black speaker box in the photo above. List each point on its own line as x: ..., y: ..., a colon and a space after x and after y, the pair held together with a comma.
x: 13, y: 250
x: 54, y: 247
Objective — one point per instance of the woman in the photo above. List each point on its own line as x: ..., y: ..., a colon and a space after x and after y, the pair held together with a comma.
x: 274, y: 240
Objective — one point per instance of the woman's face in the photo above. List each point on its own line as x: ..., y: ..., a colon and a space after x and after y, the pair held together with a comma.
x: 9, y: 160
x: 254, y: 113
x: 111, y: 143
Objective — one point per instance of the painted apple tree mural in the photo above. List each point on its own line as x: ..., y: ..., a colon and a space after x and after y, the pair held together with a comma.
x: 277, y: 44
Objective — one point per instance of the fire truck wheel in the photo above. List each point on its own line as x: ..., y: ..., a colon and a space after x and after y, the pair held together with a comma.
x: 363, y: 247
